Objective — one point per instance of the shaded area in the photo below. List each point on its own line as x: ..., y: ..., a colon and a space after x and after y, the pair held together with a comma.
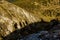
x: 34, y: 28
x: 43, y: 35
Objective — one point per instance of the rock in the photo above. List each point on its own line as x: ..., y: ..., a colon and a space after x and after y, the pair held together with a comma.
x: 13, y: 17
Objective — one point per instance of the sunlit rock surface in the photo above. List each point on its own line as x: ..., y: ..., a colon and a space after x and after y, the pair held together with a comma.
x: 13, y: 17
x: 46, y: 9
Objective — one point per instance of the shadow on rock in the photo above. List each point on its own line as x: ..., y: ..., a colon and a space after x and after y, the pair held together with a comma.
x: 33, y: 28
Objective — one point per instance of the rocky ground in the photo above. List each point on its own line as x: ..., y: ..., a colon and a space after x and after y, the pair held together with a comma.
x: 46, y: 9
x: 37, y: 31
x: 27, y: 20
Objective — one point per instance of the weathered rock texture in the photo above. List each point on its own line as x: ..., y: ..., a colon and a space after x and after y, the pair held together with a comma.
x: 13, y: 17
x: 47, y: 9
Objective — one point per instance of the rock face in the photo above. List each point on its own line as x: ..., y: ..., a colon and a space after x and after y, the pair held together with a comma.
x: 13, y: 17
x: 37, y: 27
x: 46, y: 9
